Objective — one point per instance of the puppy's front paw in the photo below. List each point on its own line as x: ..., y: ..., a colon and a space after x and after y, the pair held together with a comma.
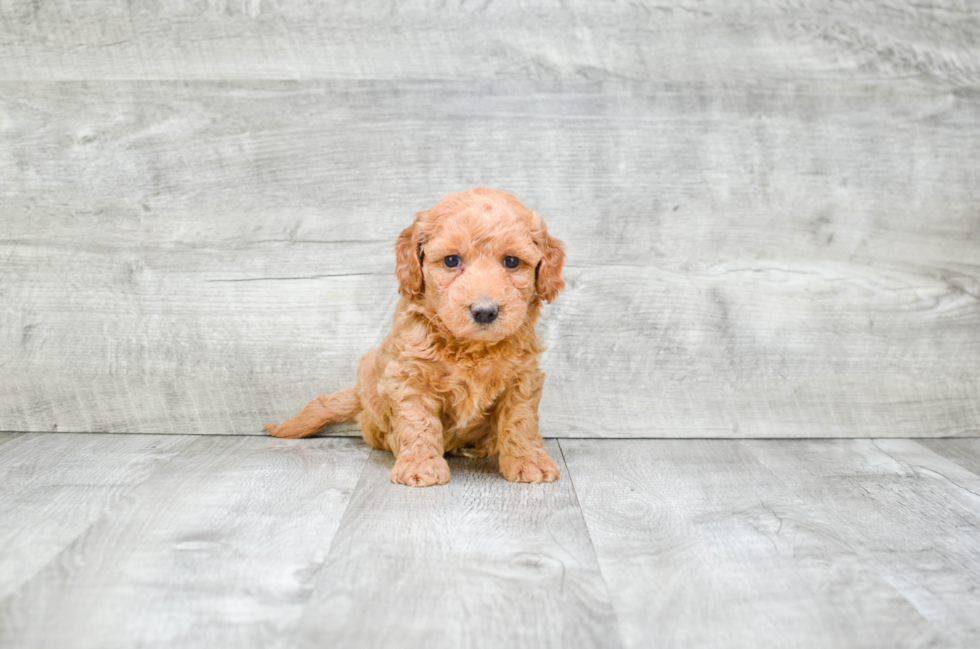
x: 420, y: 472
x: 536, y: 468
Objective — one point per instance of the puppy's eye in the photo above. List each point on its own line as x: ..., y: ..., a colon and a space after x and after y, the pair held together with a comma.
x: 511, y: 262
x: 451, y: 261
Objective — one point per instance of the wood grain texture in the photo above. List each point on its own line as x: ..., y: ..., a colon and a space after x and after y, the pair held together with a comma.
x: 765, y: 261
x: 707, y: 42
x: 216, y: 549
x: 701, y: 546
x: 770, y: 207
x: 479, y: 562
x: 53, y: 487
x: 909, y: 513
x: 965, y: 452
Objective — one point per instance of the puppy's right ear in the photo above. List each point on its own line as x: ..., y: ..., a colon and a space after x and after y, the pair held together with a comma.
x: 408, y: 262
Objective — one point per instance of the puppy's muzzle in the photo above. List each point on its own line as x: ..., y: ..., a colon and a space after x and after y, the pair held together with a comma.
x: 484, y: 311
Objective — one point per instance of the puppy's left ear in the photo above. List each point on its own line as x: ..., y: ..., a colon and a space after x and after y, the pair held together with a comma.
x: 408, y: 261
x: 548, y: 279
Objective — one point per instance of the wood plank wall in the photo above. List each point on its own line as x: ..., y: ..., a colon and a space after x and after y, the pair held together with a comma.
x: 772, y: 209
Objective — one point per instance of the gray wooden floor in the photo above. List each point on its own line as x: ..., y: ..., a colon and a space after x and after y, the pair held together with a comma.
x: 227, y: 541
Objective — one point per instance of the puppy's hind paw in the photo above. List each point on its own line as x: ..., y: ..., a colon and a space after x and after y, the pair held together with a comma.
x: 420, y: 472
x: 535, y: 469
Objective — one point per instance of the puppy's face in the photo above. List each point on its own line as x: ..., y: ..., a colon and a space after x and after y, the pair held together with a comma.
x: 477, y: 260
x: 478, y: 269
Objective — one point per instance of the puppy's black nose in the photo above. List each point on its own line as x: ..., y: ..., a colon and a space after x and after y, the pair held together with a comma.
x: 484, y: 312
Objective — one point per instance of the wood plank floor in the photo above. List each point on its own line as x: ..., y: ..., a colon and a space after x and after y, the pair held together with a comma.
x: 229, y: 541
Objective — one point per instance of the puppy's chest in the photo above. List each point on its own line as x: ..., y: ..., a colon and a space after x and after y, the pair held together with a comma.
x: 469, y: 391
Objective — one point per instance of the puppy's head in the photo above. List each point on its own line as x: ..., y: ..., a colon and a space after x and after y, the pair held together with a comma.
x: 477, y: 261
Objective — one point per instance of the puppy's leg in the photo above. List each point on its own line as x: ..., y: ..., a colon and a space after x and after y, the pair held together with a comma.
x: 515, y: 417
x: 342, y: 405
x: 416, y: 440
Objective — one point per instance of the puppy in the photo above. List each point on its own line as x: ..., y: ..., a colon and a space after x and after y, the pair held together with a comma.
x: 458, y: 372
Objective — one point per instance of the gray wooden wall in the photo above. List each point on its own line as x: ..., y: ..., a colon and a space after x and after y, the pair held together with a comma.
x: 772, y: 209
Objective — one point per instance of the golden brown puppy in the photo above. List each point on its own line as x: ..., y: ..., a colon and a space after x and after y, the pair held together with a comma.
x: 458, y: 372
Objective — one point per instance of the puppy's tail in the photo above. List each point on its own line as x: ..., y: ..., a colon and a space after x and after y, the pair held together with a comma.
x: 342, y: 405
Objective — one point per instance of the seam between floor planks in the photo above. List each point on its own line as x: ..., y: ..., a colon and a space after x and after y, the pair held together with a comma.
x: 108, y: 505
x: 568, y: 475
x: 60, y: 611
x: 877, y: 584
x: 500, y: 552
